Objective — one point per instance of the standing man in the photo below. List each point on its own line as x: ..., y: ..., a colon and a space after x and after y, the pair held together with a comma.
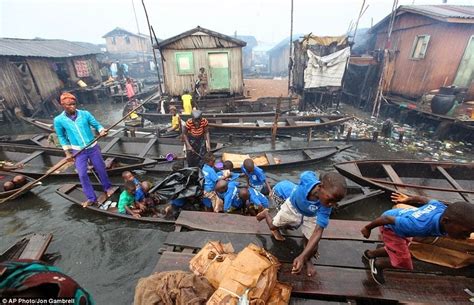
x: 73, y: 128
x: 197, y: 139
x: 202, y: 81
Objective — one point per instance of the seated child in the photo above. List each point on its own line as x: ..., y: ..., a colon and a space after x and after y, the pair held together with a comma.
x: 127, y: 200
x: 256, y: 178
x: 227, y: 171
x: 139, y: 194
x: 147, y: 205
x: 397, y: 226
x: 311, y: 199
x: 211, y: 201
x: 282, y: 191
x: 234, y: 198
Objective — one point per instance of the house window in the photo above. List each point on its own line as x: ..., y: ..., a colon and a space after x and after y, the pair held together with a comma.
x: 184, y: 63
x: 113, y: 40
x: 420, y: 46
x: 127, y: 39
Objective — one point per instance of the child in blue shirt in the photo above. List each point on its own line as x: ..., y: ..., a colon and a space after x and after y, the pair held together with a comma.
x: 229, y: 166
x: 211, y: 201
x: 398, y: 225
x: 282, y: 191
x: 308, y: 206
x: 234, y: 198
x: 256, y: 178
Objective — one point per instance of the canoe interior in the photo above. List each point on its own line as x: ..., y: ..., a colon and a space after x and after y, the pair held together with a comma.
x: 8, y: 176
x: 74, y: 194
x: 424, y: 174
x: 37, y: 160
x: 30, y: 247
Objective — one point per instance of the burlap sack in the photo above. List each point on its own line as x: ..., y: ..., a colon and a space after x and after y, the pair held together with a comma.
x: 213, y: 261
x: 254, y: 271
x: 444, y: 251
x: 173, y: 288
x: 280, y: 294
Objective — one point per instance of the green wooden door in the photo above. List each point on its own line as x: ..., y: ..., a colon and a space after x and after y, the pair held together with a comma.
x: 465, y: 73
x: 219, y: 76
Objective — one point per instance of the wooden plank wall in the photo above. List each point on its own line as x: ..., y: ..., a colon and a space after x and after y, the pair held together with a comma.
x: 10, y: 85
x: 439, y: 67
x: 46, y: 79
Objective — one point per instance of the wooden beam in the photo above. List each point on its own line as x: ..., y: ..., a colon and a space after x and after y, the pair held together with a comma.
x: 36, y: 246
x: 31, y: 156
x: 270, y: 158
x: 109, y: 145
x: 392, y: 174
x: 147, y: 147
x: 453, y: 182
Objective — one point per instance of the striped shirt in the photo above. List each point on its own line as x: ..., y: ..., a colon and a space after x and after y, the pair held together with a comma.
x: 196, y: 132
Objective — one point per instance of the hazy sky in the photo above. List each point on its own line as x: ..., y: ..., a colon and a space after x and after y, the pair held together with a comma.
x: 267, y: 20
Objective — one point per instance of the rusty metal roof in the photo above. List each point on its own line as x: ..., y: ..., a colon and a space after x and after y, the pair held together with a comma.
x: 441, y: 11
x: 198, y: 29
x: 45, y: 48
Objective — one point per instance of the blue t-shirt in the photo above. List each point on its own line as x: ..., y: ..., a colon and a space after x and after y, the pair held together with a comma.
x: 257, y: 198
x: 299, y: 199
x: 231, y: 197
x: 178, y: 202
x: 284, y: 189
x: 139, y: 193
x: 210, y: 177
x: 256, y: 178
x: 417, y: 222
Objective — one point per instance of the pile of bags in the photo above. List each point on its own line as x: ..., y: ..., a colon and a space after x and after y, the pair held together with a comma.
x: 248, y: 277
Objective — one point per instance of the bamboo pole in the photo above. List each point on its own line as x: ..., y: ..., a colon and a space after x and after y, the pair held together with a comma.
x: 275, y: 122
x: 58, y: 165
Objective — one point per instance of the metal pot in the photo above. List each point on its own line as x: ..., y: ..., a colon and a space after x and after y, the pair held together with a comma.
x: 442, y: 103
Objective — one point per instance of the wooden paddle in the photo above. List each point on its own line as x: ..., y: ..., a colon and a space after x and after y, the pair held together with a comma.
x: 65, y: 160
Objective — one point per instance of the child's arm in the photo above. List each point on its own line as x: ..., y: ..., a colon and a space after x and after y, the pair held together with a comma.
x: 402, y: 198
x: 268, y: 186
x: 131, y: 212
x: 381, y: 221
x: 310, y: 249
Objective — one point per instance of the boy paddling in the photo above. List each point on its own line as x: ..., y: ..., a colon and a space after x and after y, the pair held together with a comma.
x: 309, y: 206
x: 397, y: 226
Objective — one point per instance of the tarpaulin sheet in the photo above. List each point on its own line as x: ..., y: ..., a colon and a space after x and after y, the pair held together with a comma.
x: 326, y: 70
x: 184, y: 183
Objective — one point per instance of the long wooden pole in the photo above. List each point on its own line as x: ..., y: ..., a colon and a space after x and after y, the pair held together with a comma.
x: 290, y: 61
x: 65, y: 160
x: 275, y: 122
x: 153, y: 49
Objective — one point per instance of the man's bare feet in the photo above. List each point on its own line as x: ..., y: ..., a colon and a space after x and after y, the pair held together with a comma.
x: 262, y: 215
x: 277, y: 235
x: 310, y: 268
x: 110, y: 192
x: 87, y: 203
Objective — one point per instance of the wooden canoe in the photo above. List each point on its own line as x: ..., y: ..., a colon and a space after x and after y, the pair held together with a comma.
x: 30, y: 247
x: 285, y: 124
x: 74, y: 194
x: 38, y: 160
x: 47, y: 126
x: 444, y: 181
x: 160, y: 118
x: 152, y: 148
x: 8, y: 176
x: 273, y: 159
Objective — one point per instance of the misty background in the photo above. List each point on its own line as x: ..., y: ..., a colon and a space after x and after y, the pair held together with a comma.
x: 267, y: 20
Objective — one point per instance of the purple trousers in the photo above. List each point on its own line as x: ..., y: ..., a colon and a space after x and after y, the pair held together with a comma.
x: 93, y: 154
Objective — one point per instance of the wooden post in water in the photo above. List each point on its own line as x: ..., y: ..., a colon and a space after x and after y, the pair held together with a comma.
x: 348, y: 136
x: 275, y: 122
x: 310, y: 134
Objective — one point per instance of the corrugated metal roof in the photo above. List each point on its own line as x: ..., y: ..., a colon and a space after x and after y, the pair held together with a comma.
x: 164, y: 43
x: 45, y: 48
x: 442, y: 11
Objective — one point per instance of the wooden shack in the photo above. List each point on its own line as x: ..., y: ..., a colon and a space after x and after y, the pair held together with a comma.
x: 430, y: 46
x: 34, y: 70
x: 220, y: 55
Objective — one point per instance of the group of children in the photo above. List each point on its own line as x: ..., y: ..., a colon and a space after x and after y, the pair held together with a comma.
x: 308, y: 204
x: 134, y: 199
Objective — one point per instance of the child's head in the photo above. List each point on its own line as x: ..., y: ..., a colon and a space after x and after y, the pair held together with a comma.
x: 128, y: 176
x: 146, y: 186
x: 458, y: 220
x: 209, y: 158
x: 249, y: 165
x: 331, y: 190
x: 228, y: 165
x: 221, y: 186
x: 173, y: 110
x: 130, y: 187
x: 244, y: 194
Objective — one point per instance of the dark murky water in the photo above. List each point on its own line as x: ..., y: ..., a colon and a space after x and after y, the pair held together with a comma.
x: 106, y: 255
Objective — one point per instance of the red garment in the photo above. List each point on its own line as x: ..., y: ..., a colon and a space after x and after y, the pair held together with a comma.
x: 196, y: 132
x: 130, y: 90
x: 397, y: 249
x: 66, y: 96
